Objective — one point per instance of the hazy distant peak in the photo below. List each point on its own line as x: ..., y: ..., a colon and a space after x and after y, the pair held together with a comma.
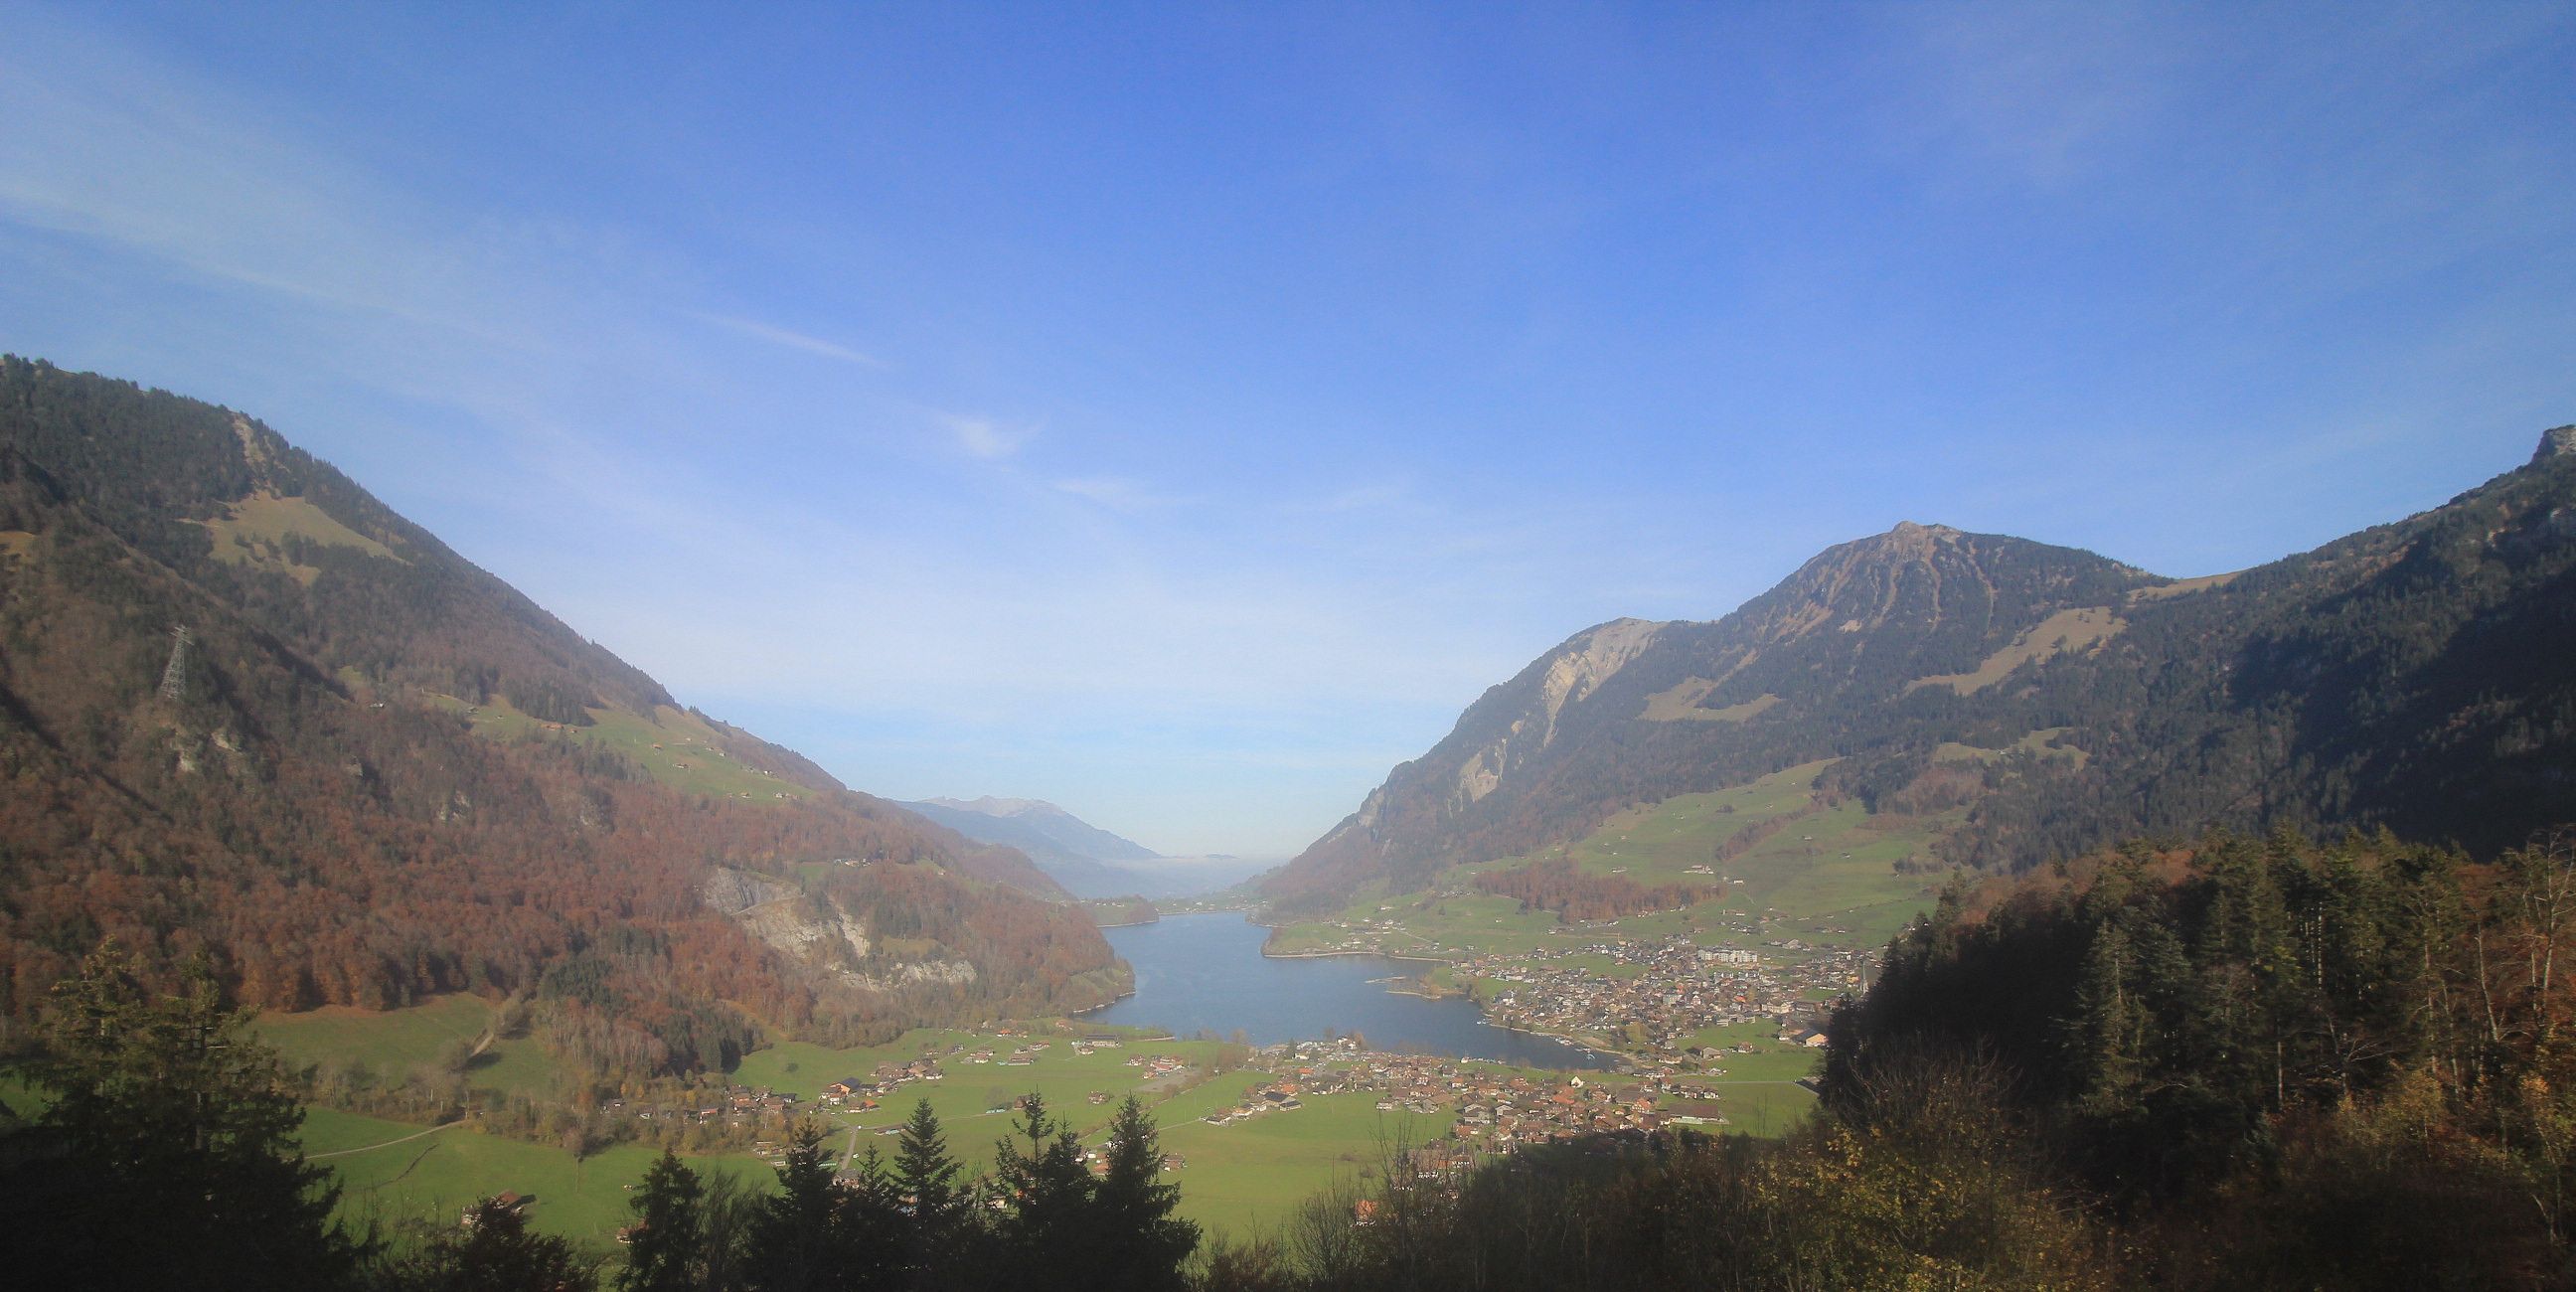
x: 990, y: 805
x: 1081, y: 856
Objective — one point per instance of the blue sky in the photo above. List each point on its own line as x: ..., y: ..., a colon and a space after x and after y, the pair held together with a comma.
x: 1181, y: 412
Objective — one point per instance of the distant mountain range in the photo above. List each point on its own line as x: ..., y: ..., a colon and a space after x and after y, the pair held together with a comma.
x: 1073, y: 852
x: 1034, y: 826
x: 246, y: 709
x: 2420, y: 675
x: 1089, y: 861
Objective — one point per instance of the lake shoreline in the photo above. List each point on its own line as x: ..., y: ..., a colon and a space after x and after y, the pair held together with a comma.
x: 1268, y: 954
x: 1216, y: 973
x: 1563, y: 1039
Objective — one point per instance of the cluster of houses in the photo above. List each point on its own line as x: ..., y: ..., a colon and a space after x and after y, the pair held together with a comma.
x: 885, y: 1079
x: 754, y: 1108
x: 742, y: 1107
x: 1669, y: 988
x: 1498, y: 1109
x: 1278, y: 1097
x: 1157, y: 1065
x: 1361, y: 936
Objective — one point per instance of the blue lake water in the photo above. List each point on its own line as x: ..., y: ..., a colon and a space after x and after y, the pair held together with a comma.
x: 1206, y: 973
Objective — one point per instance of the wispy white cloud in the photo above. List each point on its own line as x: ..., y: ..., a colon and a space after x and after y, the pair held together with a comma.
x: 1117, y: 493
x: 793, y: 340
x: 111, y: 150
x: 2048, y: 90
x: 1359, y: 497
x: 987, y: 439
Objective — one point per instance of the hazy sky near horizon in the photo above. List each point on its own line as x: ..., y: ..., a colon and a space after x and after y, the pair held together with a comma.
x: 1181, y: 412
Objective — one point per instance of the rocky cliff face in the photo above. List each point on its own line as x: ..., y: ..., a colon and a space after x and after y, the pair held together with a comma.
x: 821, y: 933
x: 2556, y: 442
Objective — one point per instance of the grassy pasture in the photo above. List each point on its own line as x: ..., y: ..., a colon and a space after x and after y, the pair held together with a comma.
x: 2042, y: 743
x: 1681, y: 703
x: 330, y: 1131
x: 1240, y: 1177
x: 396, y: 1041
x: 435, y: 1176
x: 2065, y: 633
x: 514, y: 1067
x: 1828, y: 879
x: 391, y: 1041
x: 18, y: 1098
x: 1763, y: 1108
x: 673, y: 746
x: 1252, y: 1176
x: 1770, y: 1060
x: 255, y: 530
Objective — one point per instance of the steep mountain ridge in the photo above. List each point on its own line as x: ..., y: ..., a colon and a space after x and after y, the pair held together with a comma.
x: 247, y: 710
x: 2385, y: 678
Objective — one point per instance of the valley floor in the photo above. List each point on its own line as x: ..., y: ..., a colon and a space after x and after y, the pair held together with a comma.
x: 1713, y: 1008
x: 1251, y: 1134
x: 1794, y: 897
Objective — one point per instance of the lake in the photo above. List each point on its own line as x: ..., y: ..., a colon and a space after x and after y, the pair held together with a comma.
x: 1206, y: 973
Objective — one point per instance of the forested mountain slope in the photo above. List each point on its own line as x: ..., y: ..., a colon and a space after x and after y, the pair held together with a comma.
x: 246, y: 709
x: 2420, y: 675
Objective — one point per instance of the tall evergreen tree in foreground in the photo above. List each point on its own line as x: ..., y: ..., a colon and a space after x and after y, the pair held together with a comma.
x: 925, y: 1179
x: 662, y: 1254
x: 492, y: 1252
x: 166, y: 1156
x: 1062, y: 1229
x: 819, y: 1233
x: 1047, y: 1193
x: 1139, y: 1244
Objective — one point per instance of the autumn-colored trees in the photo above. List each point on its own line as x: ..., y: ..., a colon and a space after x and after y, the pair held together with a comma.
x: 290, y: 795
x: 1561, y: 887
x: 2309, y: 1057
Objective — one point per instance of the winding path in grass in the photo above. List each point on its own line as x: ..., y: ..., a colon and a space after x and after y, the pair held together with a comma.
x: 369, y: 1148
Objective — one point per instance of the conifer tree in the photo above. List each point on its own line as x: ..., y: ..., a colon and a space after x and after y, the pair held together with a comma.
x: 167, y: 1154
x: 925, y: 1179
x: 1048, y: 1193
x: 2104, y: 1041
x: 1140, y: 1245
x: 663, y: 1254
x: 492, y: 1252
x: 792, y: 1234
x: 820, y: 1233
x: 876, y: 1234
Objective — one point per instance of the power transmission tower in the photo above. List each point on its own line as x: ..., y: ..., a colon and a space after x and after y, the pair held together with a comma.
x: 174, y: 677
